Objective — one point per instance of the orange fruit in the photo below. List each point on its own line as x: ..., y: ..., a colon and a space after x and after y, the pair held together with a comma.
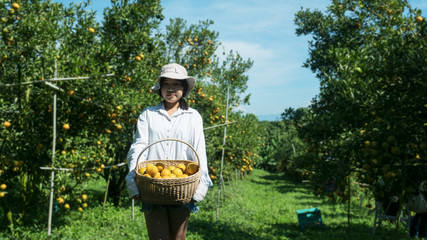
x: 165, y: 173
x: 67, y: 206
x: 184, y: 175
x: 152, y: 170
x: 160, y: 166
x: 84, y: 205
x: 84, y: 196
x: 3, y: 186
x: 182, y: 166
x: 177, y: 171
x: 157, y: 175
x: 172, y: 176
x: 60, y: 200
x: 6, y: 124
x: 2, y: 194
x: 66, y: 126
x: 171, y: 168
x: 142, y: 170
x: 147, y: 175
x: 192, y: 168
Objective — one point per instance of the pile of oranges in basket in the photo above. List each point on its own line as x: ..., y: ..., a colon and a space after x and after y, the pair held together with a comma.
x: 159, y: 170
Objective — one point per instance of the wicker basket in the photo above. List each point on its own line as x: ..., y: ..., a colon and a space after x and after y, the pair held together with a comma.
x: 167, y: 191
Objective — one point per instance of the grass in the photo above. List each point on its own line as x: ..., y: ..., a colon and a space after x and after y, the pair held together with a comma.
x: 262, y: 207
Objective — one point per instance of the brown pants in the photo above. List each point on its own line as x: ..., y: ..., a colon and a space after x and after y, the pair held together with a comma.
x: 167, y: 223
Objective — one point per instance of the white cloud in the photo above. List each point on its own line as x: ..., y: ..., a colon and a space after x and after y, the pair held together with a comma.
x: 249, y: 50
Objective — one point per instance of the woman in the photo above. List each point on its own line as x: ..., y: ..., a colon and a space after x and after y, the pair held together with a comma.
x: 172, y: 118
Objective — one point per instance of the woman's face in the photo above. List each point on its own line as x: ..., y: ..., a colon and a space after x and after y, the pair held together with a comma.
x: 172, y: 90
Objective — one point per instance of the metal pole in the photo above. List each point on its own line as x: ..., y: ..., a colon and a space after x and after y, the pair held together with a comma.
x: 133, y: 209
x: 52, y: 176
x: 221, y: 178
x: 106, y: 190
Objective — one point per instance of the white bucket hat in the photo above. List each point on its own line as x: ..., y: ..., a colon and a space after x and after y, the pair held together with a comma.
x: 178, y: 72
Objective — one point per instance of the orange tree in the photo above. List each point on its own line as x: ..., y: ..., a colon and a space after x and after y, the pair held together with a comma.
x: 281, y: 145
x: 95, y: 116
x: 369, y: 119
x: 28, y: 47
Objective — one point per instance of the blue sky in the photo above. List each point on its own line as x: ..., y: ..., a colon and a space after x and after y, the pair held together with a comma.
x: 263, y: 31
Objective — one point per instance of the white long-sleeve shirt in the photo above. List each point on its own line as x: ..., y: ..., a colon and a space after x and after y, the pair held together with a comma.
x: 154, y: 124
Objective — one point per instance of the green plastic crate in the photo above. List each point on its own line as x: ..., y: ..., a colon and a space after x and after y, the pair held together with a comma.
x: 309, y: 218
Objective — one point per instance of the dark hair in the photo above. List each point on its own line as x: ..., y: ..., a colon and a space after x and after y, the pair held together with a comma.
x: 182, y: 102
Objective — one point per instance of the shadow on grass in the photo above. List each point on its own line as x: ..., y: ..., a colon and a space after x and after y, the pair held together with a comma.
x: 215, y: 230
x: 327, y: 232
x: 282, y: 185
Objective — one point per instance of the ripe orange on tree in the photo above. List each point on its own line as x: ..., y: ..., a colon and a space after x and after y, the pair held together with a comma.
x: 6, y: 124
x: 60, y: 200
x: 66, y: 126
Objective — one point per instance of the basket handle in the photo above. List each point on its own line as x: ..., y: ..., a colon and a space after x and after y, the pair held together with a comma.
x: 163, y: 140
